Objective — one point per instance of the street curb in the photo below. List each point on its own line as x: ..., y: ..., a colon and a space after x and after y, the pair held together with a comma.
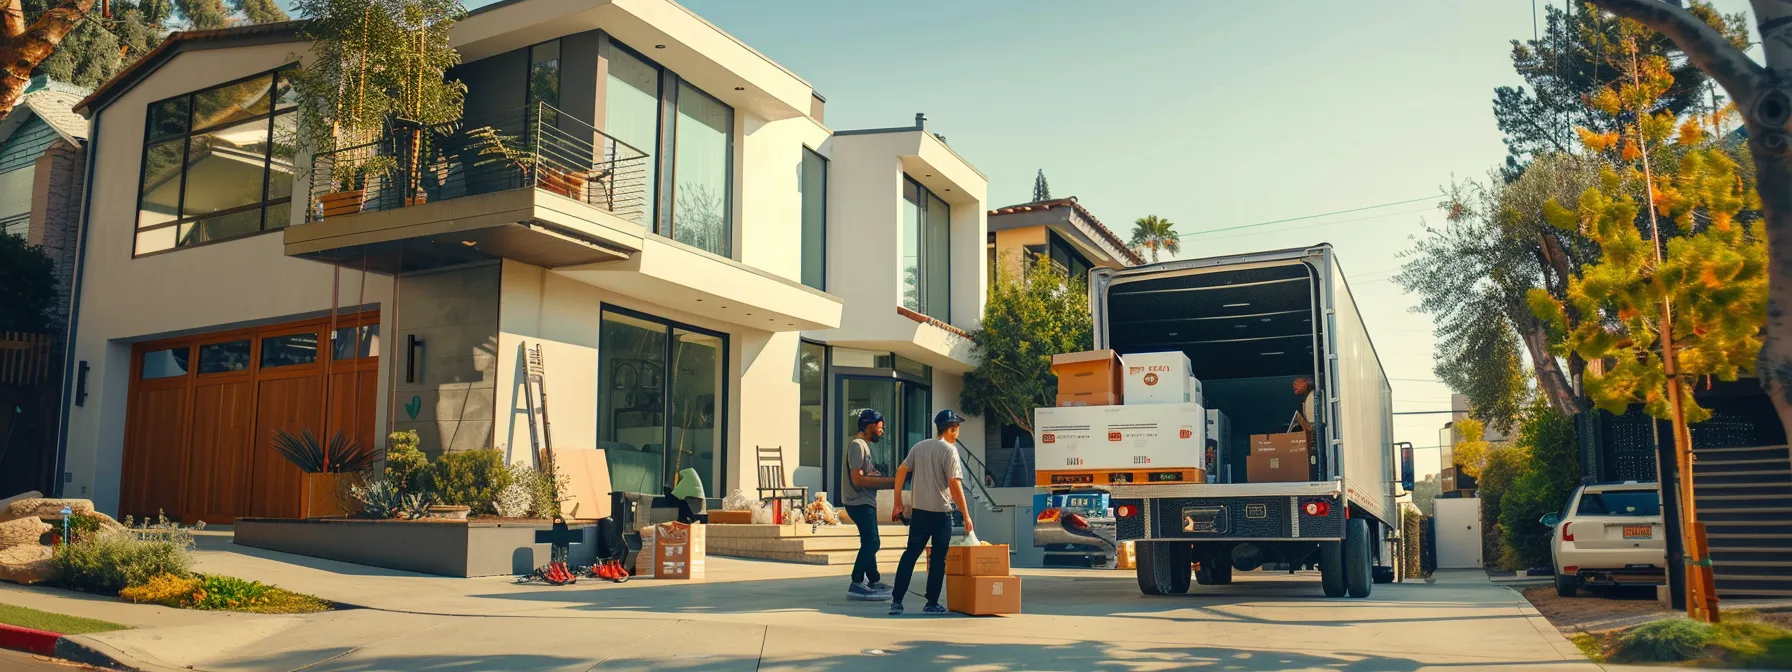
x: 81, y: 649
x: 29, y: 640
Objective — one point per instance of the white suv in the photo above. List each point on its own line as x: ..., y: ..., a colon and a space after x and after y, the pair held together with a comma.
x: 1610, y: 534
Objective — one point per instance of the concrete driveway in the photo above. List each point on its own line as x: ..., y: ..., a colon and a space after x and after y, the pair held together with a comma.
x: 764, y: 616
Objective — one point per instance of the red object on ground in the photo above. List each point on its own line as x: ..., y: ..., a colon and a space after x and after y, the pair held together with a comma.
x: 29, y: 640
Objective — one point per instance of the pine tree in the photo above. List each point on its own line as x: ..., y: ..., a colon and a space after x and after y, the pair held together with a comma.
x: 1041, y: 190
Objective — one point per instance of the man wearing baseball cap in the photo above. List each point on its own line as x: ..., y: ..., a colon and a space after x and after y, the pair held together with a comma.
x: 939, y: 487
x: 859, y: 493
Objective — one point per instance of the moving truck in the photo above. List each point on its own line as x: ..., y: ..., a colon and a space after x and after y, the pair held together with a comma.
x: 1250, y: 325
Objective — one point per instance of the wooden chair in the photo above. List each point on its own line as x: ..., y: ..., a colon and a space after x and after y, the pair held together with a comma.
x: 773, y: 486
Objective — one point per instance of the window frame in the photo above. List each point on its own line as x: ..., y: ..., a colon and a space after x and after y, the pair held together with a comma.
x: 924, y: 262
x: 725, y: 383
x: 802, y: 229
x: 663, y: 218
x: 186, y: 137
x: 827, y: 370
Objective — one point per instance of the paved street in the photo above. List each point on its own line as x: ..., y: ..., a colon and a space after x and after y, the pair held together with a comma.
x: 763, y: 616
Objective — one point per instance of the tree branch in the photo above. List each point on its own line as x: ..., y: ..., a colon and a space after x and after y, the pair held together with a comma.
x: 12, y: 18
x: 1704, y: 46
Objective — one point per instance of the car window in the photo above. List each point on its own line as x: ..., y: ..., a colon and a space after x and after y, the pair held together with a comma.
x: 1620, y: 503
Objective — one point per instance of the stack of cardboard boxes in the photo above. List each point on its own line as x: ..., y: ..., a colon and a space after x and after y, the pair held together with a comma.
x: 1133, y: 421
x: 978, y: 582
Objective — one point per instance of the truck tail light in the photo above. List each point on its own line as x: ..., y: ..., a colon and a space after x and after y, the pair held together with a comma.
x: 1570, y: 569
x: 1048, y: 516
x: 1317, y: 508
x: 1077, y: 521
x: 1126, y: 511
x: 1567, y: 535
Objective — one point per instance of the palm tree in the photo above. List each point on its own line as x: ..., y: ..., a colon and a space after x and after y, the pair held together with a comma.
x: 1154, y: 233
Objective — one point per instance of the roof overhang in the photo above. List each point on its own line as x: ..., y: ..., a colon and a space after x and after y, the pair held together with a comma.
x: 911, y: 335
x: 687, y: 279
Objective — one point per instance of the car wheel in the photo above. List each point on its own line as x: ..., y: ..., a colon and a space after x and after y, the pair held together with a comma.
x: 1358, y: 565
x: 1567, y: 586
x: 1163, y: 567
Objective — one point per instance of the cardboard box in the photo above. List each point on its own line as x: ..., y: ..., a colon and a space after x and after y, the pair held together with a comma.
x: 1279, y: 458
x: 1090, y: 378
x: 1158, y: 378
x: 672, y: 551
x: 725, y: 517
x: 991, y: 560
x: 983, y: 595
x: 1126, y: 556
x: 1158, y: 436
x: 586, y: 495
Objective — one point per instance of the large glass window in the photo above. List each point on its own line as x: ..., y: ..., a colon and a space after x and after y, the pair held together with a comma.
x: 217, y: 164
x: 896, y: 387
x: 811, y: 376
x: 660, y: 401
x: 926, y: 261
x: 653, y: 110
x: 814, y: 185
x: 544, y: 77
x: 632, y: 114
x: 1068, y: 260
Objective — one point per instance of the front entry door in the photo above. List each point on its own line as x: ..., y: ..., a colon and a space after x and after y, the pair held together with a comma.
x: 905, y: 405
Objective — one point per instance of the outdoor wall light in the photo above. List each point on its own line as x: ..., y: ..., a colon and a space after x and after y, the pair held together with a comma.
x: 81, y: 384
x: 412, y: 346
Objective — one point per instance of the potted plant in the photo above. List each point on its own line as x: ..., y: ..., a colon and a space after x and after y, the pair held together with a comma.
x: 375, y: 62
x: 325, y: 466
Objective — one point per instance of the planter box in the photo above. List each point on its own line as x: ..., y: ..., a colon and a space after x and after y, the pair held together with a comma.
x: 465, y: 548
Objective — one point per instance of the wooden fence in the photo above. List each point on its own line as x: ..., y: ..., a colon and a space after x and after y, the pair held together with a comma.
x: 25, y: 358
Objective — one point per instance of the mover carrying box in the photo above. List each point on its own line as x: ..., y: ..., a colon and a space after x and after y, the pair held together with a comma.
x: 1159, y: 378
x: 1089, y: 378
x: 983, y: 595
x: 1138, y: 440
x: 990, y: 560
x: 1279, y: 458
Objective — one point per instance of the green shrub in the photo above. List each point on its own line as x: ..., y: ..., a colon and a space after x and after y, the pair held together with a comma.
x: 167, y: 590
x: 471, y: 478
x: 83, y: 526
x: 1666, y: 640
x: 228, y: 593
x: 109, y: 562
x: 544, y: 493
x: 1542, y: 486
x: 1504, y: 463
x: 407, y: 468
x: 1412, y: 529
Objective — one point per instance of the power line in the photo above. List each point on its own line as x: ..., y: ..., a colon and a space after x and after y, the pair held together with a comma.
x: 1323, y: 214
x: 1314, y: 226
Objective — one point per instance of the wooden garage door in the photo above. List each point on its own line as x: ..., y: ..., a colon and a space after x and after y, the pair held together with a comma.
x: 203, y: 411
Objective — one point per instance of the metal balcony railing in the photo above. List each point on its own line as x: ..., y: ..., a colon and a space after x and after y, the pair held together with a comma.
x: 534, y: 146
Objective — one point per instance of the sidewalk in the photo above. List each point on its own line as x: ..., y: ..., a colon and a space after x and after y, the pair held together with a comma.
x: 758, y: 616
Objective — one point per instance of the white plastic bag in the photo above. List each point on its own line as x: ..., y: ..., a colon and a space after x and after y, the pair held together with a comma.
x: 736, y: 501
x: 969, y: 539
x: 762, y: 514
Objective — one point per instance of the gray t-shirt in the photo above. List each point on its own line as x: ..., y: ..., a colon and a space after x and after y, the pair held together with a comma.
x: 932, y: 465
x: 858, y: 456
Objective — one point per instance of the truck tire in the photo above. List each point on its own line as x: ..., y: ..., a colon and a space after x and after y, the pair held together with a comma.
x: 1163, y: 567
x: 1221, y: 574
x: 1216, y: 566
x: 1331, y: 568
x: 1358, y: 564
x: 1567, y: 586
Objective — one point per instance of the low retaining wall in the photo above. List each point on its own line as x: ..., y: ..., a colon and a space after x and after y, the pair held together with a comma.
x: 465, y: 548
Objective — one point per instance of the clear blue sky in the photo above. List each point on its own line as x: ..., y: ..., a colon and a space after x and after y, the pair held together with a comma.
x: 1212, y: 114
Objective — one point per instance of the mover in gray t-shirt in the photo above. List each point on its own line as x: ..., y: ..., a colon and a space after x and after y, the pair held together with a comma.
x: 934, y: 463
x: 858, y: 491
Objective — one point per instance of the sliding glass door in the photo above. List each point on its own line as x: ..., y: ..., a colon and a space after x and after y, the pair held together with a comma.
x: 661, y: 398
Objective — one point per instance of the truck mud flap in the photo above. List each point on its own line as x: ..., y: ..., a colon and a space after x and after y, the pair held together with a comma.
x: 1238, y: 518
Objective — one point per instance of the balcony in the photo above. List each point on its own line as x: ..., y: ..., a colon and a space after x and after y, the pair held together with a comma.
x: 533, y: 185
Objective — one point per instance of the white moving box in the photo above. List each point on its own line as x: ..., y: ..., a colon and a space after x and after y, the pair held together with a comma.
x: 1124, y: 438
x: 1158, y: 378
x: 1219, y: 428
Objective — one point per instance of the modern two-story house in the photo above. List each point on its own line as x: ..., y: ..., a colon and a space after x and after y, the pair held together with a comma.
x: 691, y: 264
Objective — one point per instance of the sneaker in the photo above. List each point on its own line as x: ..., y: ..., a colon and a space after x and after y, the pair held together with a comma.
x: 933, y: 609
x: 881, y: 587
x: 895, y: 608
x: 861, y: 592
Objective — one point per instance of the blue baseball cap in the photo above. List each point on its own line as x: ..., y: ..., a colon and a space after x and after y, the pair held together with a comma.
x: 869, y: 417
x: 947, y: 418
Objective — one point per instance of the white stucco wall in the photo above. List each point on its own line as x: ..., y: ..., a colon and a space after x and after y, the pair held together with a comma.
x: 232, y: 284
x: 769, y: 162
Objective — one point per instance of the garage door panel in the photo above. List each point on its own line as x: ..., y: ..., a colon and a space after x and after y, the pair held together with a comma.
x: 218, y: 467
x: 150, y: 480
x: 290, y: 404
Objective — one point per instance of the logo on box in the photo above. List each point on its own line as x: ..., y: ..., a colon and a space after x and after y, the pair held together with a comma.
x: 1048, y: 438
x: 1115, y: 436
x: 1141, y: 459
x: 1150, y: 379
x: 1073, y: 461
x: 1186, y: 433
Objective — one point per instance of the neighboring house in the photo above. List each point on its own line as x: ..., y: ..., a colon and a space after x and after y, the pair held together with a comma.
x: 42, y: 147
x: 1059, y: 228
x: 705, y: 266
x: 1449, y: 472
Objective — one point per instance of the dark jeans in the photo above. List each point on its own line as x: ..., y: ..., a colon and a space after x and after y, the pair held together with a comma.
x: 925, y: 527
x: 864, y: 568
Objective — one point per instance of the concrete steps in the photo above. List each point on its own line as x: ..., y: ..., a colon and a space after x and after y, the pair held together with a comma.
x: 1745, y: 501
x: 801, y: 544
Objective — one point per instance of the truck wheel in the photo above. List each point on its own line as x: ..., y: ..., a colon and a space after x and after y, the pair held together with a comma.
x: 1222, y: 573
x: 1384, y: 574
x: 1163, y: 567
x: 1331, y: 568
x: 1358, y: 565
x: 1567, y: 586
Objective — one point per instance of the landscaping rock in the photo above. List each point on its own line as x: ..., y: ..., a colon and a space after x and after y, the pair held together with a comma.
x: 23, y: 532
x: 27, y: 564
x: 107, y: 524
x: 45, y: 509
x: 28, y: 494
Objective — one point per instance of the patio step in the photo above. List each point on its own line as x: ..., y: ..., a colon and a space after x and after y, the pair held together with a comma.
x: 886, y: 556
x: 803, y: 544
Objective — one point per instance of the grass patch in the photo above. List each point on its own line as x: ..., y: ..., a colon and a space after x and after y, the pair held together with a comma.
x: 215, y: 592
x: 1743, y: 639
x: 46, y: 621
x: 1590, y: 645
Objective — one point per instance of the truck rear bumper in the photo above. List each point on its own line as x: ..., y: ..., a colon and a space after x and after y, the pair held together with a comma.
x: 1234, y: 517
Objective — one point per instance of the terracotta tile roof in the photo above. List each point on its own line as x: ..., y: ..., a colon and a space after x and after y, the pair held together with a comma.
x: 1070, y: 202
x: 177, y: 42
x: 924, y: 319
